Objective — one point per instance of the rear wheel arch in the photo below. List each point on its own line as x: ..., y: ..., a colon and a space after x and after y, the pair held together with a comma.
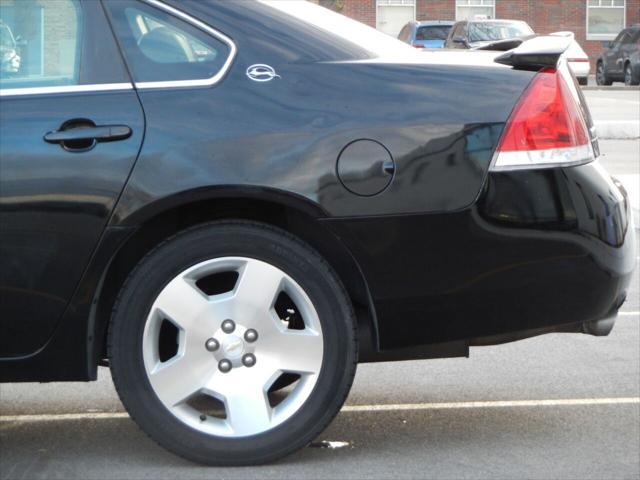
x: 293, y: 215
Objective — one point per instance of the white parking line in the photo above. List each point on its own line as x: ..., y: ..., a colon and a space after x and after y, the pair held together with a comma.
x: 56, y: 417
x: 628, y: 314
x: 495, y: 404
x: 563, y: 402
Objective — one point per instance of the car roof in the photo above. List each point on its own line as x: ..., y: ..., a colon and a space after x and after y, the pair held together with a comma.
x: 495, y: 20
x: 430, y: 23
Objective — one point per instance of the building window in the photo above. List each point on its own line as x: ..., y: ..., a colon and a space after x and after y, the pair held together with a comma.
x: 472, y: 9
x: 397, y: 3
x: 605, y: 19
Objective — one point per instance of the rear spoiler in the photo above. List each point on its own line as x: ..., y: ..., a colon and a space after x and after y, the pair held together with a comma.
x: 502, y: 45
x: 536, y: 53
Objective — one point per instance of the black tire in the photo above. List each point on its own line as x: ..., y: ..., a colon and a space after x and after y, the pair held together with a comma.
x: 601, y: 75
x: 629, y: 78
x: 252, y: 240
x: 583, y: 81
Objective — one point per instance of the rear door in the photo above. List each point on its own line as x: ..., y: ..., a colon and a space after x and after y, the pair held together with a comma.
x: 71, y: 127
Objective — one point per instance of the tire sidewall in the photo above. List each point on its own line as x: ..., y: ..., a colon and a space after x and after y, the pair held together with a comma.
x: 628, y: 75
x: 191, y: 248
x: 601, y: 75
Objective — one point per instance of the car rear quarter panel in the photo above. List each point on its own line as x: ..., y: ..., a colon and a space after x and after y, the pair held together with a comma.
x: 441, y: 123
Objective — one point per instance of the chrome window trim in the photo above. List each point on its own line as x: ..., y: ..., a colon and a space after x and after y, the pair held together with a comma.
x: 204, y: 82
x: 102, y: 87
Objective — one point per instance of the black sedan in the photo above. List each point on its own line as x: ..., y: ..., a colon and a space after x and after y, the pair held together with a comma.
x: 231, y: 219
x: 620, y: 62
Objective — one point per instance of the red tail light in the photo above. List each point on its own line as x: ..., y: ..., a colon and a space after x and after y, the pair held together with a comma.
x: 546, y: 128
x: 415, y: 45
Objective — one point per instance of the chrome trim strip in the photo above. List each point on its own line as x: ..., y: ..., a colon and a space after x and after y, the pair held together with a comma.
x: 206, y: 82
x: 535, y: 159
x: 103, y: 87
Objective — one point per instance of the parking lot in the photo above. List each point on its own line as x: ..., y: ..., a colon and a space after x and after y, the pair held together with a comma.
x: 555, y: 406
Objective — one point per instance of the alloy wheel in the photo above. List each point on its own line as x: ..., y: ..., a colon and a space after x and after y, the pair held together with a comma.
x: 212, y: 352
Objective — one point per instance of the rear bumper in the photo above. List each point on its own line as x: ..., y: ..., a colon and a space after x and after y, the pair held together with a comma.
x: 580, y: 69
x: 587, y: 212
x: 549, y: 250
x: 602, y: 327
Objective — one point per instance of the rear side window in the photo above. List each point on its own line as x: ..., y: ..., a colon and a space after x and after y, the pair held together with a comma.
x: 459, y: 30
x: 405, y: 34
x: 624, y: 40
x: 39, y: 43
x: 433, y: 33
x: 160, y: 47
x: 632, y: 36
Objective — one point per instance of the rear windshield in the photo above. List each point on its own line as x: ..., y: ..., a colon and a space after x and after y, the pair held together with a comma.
x: 435, y: 32
x: 491, y: 31
x: 354, y: 33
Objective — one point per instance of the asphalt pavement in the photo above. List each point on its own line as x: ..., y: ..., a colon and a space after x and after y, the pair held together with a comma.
x: 561, y: 406
x: 616, y: 112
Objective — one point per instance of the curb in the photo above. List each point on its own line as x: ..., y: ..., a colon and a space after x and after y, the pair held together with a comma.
x: 610, y: 88
x: 618, y: 130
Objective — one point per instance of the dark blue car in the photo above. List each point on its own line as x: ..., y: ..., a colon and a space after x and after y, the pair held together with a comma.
x: 430, y: 34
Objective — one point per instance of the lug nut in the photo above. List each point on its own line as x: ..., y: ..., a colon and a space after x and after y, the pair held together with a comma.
x: 228, y: 326
x: 224, y: 365
x: 248, y: 360
x: 212, y: 345
x: 251, y: 335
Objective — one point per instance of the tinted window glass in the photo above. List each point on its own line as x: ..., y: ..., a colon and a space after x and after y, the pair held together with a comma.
x: 161, y: 47
x: 439, y: 32
x: 631, y: 37
x: 404, y: 34
x: 39, y: 43
x: 622, y: 38
x: 618, y: 39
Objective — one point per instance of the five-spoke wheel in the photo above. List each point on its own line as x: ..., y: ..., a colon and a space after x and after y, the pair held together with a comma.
x: 232, y: 346
x: 233, y: 343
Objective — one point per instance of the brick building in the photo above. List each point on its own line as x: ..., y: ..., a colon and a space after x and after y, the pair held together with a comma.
x: 592, y: 21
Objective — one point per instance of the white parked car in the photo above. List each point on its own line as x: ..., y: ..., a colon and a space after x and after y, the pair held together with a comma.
x: 577, y: 58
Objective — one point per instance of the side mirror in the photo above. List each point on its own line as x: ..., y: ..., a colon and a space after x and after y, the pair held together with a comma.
x: 607, y: 44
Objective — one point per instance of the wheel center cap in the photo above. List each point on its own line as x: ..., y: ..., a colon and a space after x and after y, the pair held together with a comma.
x: 233, y: 346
